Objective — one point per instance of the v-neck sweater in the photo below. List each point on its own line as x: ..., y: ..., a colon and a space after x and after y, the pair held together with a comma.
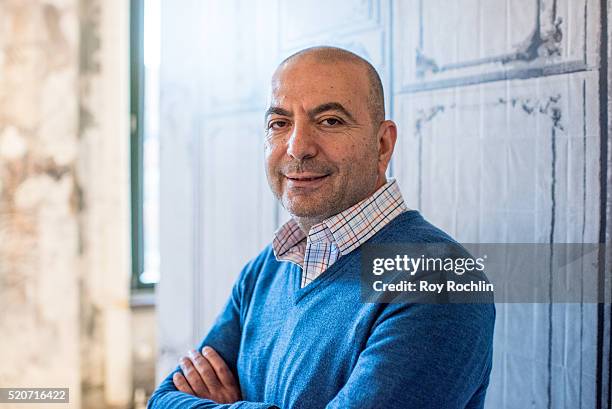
x: 321, y: 346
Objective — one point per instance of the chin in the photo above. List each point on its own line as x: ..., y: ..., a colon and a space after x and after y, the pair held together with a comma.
x: 301, y: 208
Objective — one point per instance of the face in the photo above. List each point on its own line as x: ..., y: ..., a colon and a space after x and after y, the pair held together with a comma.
x: 323, y: 153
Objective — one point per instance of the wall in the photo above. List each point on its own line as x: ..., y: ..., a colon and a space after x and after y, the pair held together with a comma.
x: 64, y: 227
x: 503, y: 137
x: 144, y: 348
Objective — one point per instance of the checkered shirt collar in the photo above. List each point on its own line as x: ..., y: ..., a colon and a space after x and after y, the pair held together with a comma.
x: 348, y: 229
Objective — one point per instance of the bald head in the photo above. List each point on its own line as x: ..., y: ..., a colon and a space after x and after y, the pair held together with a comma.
x: 333, y: 55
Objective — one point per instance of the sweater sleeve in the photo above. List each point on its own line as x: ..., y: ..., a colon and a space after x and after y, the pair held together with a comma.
x: 423, y: 356
x: 224, y: 337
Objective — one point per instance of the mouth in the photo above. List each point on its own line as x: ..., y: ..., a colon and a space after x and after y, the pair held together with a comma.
x: 305, y: 180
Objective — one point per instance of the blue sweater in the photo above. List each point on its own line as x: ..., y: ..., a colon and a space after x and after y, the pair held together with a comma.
x: 320, y: 346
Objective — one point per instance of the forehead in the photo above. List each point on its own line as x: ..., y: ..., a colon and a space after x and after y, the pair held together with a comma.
x: 310, y: 82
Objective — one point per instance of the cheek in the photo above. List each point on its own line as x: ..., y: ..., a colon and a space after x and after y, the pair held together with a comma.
x: 272, y: 155
x: 355, y: 157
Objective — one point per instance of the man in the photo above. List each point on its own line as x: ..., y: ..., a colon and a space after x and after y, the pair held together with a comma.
x: 295, y: 333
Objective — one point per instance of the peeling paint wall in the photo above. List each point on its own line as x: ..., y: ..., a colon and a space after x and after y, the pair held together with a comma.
x: 39, y: 229
x: 64, y: 249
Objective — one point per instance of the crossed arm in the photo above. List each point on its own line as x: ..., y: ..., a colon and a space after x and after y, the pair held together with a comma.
x: 201, y: 381
x: 416, y: 356
x: 206, y: 375
x: 444, y: 363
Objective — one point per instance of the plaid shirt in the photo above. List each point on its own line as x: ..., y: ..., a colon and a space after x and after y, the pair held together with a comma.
x: 338, y: 235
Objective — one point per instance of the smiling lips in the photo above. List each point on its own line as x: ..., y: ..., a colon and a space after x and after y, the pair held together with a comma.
x: 305, y: 180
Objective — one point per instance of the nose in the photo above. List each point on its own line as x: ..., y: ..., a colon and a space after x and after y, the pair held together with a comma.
x: 301, y: 144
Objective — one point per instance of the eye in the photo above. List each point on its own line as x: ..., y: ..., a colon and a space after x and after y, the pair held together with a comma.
x: 332, y: 122
x: 278, y: 124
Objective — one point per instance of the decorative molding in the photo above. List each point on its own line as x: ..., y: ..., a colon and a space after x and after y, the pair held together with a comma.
x: 552, y: 103
x: 543, y: 51
x: 236, y: 207
x: 541, y: 43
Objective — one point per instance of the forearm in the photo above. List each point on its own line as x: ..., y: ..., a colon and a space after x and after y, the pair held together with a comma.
x: 168, y: 397
x: 180, y: 400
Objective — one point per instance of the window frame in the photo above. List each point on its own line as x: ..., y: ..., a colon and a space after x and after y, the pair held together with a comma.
x: 137, y: 84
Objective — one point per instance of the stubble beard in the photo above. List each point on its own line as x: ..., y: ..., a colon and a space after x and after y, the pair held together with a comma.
x: 307, y: 213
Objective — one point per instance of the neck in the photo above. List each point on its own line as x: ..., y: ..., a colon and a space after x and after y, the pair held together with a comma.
x: 306, y: 223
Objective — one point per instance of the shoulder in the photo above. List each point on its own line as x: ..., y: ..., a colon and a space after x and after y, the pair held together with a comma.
x: 457, y: 317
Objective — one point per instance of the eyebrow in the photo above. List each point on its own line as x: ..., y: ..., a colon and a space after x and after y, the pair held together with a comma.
x: 277, y: 111
x: 328, y: 106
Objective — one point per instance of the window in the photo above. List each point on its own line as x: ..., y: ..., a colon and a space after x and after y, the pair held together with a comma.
x: 145, y: 57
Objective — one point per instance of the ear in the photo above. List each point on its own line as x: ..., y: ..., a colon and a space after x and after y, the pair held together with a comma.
x: 386, y: 137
